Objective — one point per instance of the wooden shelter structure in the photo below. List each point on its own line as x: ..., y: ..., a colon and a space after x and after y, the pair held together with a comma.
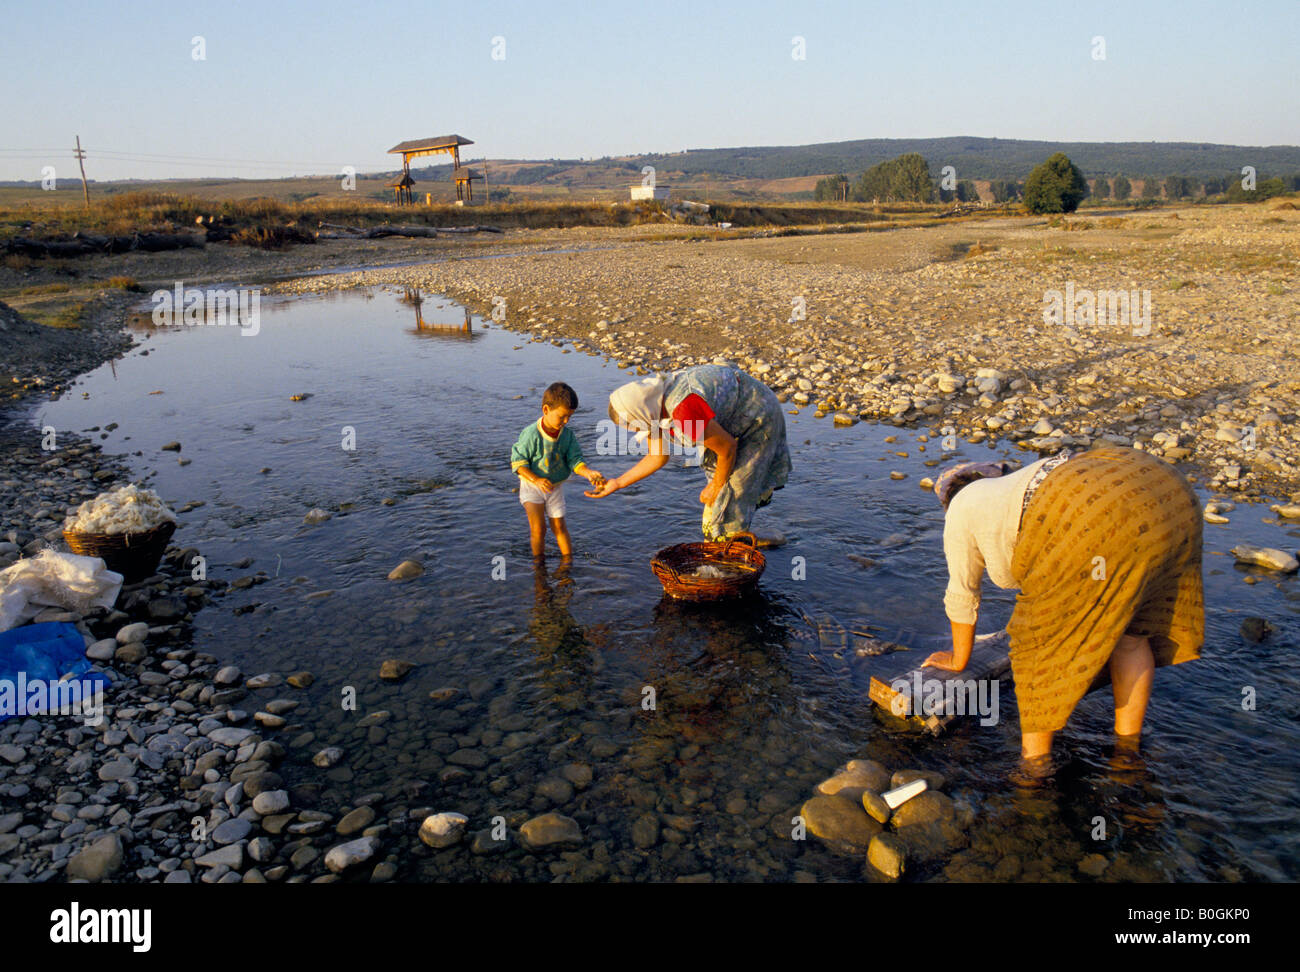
x: 402, y: 186
x: 464, y: 178
x: 416, y: 148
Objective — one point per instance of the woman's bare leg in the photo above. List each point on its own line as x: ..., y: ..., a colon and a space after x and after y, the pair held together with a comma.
x: 1034, y: 745
x: 1132, y: 669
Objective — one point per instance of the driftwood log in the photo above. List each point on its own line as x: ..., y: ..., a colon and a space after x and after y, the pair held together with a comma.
x: 336, y: 231
x: 82, y: 244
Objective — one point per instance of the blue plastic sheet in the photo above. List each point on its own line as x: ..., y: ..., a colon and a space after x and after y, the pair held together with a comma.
x: 36, y: 657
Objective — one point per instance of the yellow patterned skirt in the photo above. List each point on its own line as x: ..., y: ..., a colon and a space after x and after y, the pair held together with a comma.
x: 1110, y: 544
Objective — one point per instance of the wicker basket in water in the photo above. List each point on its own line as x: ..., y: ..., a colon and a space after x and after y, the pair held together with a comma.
x: 737, y: 558
x: 133, y: 555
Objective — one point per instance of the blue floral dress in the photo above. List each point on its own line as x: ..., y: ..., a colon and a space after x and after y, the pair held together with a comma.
x: 750, y: 412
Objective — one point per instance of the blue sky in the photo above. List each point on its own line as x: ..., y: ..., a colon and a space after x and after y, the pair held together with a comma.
x: 308, y: 87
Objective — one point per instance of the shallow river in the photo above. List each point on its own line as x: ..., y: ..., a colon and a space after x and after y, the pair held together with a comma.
x: 752, y: 707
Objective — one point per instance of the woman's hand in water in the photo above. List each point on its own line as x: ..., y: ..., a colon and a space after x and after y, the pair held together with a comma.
x: 944, y: 660
x: 602, y: 488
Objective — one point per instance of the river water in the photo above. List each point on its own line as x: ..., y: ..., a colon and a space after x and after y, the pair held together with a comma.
x: 553, y: 669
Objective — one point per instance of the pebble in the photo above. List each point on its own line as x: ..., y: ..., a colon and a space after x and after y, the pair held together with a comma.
x: 231, y: 831
x: 394, y: 670
x: 555, y: 790
x: 356, y: 821
x: 261, y: 849
x: 888, y: 855
x: 315, y: 516
x: 119, y: 769
x: 231, y: 736
x: 132, y: 633
x: 327, y: 757
x: 301, y: 680
x: 1255, y: 629
x: 98, y: 860
x: 875, y: 806
x: 406, y: 570
x: 443, y: 829
x: 550, y: 830
x: 271, y: 802
x: 230, y: 856
x: 645, y: 831
x: 933, y: 780
x: 343, y: 856
x: 102, y: 650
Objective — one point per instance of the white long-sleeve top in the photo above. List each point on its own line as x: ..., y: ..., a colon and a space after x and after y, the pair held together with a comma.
x: 979, y: 533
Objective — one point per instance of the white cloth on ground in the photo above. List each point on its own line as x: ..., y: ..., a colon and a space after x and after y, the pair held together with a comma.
x: 54, y: 579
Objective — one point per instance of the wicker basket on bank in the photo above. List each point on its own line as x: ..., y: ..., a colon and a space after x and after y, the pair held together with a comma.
x: 133, y: 555
x: 711, y: 570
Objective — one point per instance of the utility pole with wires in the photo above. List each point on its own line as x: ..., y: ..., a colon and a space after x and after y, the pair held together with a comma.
x: 81, y: 157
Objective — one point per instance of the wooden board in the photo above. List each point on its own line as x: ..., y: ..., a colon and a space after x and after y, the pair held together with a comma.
x: 897, y: 678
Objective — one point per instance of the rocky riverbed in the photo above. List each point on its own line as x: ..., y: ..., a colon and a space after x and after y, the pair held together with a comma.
x: 202, y: 771
x: 946, y: 327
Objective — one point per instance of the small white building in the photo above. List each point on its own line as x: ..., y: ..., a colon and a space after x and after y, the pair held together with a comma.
x: 656, y: 193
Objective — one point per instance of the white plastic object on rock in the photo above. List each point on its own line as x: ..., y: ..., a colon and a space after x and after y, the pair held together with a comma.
x: 901, y: 794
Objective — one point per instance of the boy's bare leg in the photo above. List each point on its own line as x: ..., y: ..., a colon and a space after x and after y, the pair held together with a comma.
x: 536, y: 527
x: 1132, y: 670
x: 562, y: 536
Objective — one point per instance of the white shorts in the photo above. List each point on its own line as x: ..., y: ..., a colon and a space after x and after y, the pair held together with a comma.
x: 554, y: 500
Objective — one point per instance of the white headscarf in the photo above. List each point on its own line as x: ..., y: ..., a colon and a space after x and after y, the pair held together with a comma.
x: 640, y: 405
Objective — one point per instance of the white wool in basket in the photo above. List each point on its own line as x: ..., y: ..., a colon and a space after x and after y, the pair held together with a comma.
x: 128, y: 509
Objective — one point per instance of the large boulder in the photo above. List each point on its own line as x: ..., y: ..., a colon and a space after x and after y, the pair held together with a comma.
x: 840, y: 823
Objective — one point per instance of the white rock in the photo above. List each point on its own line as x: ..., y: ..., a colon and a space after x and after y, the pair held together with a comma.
x: 1269, y: 557
x: 443, y: 829
x: 1289, y: 512
x: 102, y: 650
x: 128, y: 634
x: 230, y: 735
x: 354, y: 852
x: 271, y: 801
x: 317, y: 515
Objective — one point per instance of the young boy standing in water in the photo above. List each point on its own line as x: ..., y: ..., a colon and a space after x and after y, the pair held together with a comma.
x: 545, y: 454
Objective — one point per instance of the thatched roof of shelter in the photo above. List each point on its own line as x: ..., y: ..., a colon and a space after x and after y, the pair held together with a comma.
x: 435, y: 144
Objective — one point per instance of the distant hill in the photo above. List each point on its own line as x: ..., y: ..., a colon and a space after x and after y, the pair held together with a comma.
x: 985, y: 158
x: 972, y: 157
x: 787, y: 171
